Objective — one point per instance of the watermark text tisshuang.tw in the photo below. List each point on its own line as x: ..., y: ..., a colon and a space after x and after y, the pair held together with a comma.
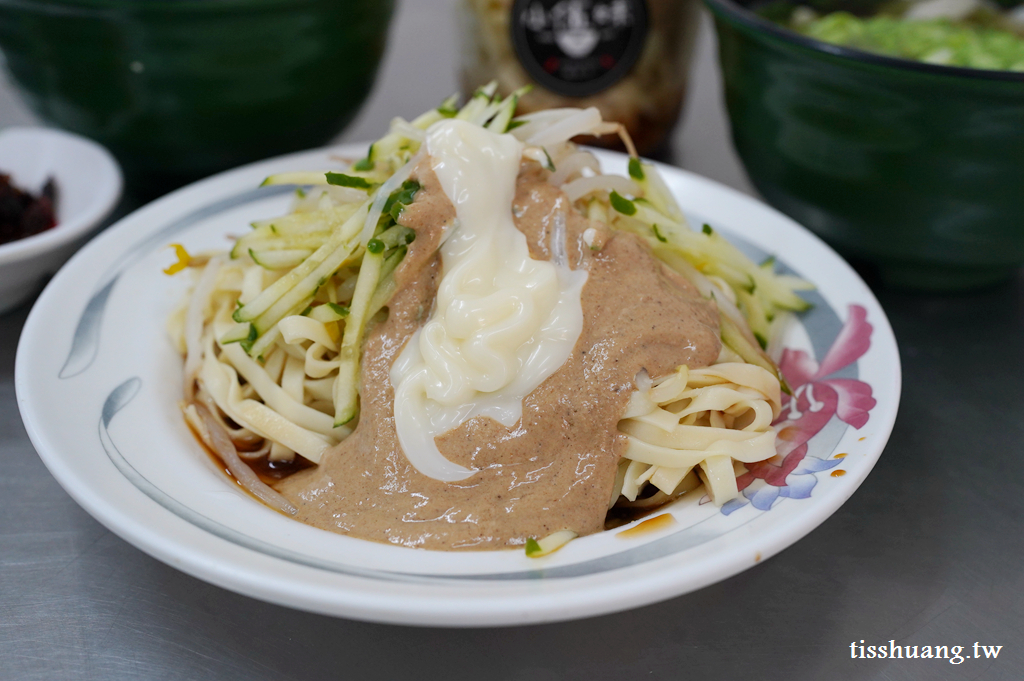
x: 955, y: 654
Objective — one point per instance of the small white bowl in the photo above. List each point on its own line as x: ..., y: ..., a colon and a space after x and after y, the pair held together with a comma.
x: 89, y: 184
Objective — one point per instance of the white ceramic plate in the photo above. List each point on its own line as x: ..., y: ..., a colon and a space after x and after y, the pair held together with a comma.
x: 98, y: 381
x: 88, y: 183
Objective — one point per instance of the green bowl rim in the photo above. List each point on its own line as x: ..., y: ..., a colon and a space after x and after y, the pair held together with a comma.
x: 731, y: 10
x: 91, y: 7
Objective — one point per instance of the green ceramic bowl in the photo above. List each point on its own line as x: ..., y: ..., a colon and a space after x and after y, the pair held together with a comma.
x: 179, y: 89
x: 914, y: 167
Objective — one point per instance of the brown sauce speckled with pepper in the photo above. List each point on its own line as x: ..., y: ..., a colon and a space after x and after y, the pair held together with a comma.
x: 554, y: 469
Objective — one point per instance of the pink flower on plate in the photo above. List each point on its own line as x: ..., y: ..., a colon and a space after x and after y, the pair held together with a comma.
x: 815, y: 400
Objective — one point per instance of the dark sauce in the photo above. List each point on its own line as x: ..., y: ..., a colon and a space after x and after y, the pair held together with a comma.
x: 618, y: 516
x: 23, y: 214
x: 269, y: 472
x: 649, y: 526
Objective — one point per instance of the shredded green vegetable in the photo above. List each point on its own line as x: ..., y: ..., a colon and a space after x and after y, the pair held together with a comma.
x: 343, y: 180
x: 622, y: 204
x: 365, y: 164
x: 449, y: 107
x: 636, y: 171
x: 550, y: 165
x: 341, y: 310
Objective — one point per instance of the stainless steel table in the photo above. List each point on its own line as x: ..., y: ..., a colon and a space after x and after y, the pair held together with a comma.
x: 928, y: 552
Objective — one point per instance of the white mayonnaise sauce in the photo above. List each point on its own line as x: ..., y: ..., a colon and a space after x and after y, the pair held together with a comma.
x: 502, y: 321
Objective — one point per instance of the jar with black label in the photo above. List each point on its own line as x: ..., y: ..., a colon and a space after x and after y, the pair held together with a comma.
x: 629, y: 58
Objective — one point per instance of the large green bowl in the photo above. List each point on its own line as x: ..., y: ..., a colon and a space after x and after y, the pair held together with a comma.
x: 914, y: 167
x: 179, y: 89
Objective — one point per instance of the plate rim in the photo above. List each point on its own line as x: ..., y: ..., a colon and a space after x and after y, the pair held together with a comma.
x: 436, y: 611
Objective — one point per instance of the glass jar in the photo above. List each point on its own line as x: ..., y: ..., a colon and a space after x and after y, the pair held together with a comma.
x: 629, y: 58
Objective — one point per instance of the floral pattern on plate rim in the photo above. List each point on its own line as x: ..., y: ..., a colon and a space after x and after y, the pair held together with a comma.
x: 817, y: 396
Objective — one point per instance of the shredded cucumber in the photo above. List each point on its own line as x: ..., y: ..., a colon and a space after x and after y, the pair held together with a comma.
x: 238, y: 333
x: 285, y: 258
x: 738, y: 343
x: 329, y: 312
x: 397, y: 236
x: 478, y: 103
x: 343, y: 180
x: 657, y: 192
x: 303, y: 178
x: 506, y: 110
x: 346, y: 388
x: 549, y: 544
x: 323, y: 262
